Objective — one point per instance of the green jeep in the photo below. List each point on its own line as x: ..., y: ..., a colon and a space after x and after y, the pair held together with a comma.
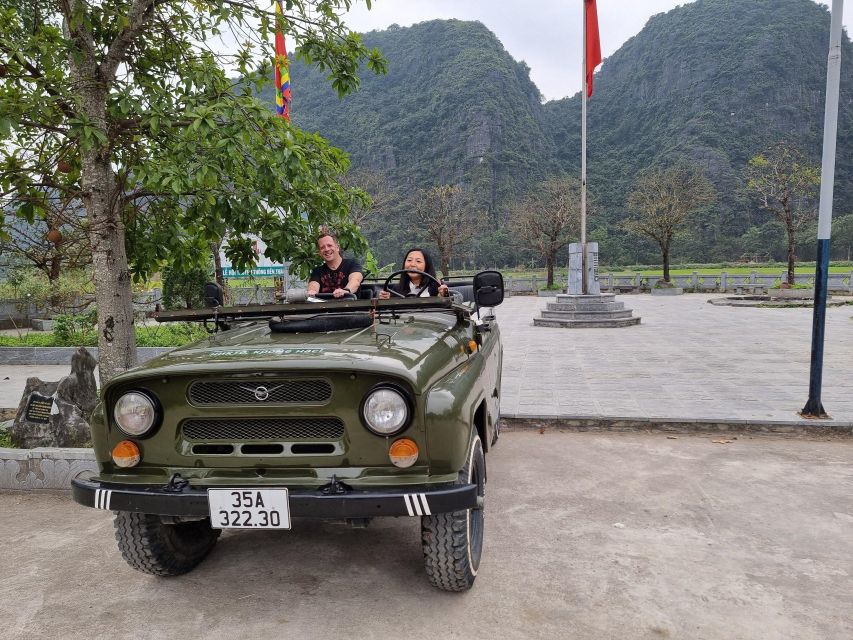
x: 344, y: 409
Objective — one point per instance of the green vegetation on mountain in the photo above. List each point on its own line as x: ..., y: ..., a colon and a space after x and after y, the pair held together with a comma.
x: 709, y: 84
x: 712, y: 83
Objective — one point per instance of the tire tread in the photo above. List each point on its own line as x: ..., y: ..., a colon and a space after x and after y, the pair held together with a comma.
x: 154, y: 547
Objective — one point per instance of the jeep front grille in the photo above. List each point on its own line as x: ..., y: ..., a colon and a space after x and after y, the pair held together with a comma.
x: 301, y: 390
x: 264, y: 429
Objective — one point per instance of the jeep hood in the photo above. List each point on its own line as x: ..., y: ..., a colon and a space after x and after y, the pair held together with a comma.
x: 419, y: 348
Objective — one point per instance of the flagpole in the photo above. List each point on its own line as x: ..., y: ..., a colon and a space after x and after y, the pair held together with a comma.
x: 584, y: 286
x: 814, y: 407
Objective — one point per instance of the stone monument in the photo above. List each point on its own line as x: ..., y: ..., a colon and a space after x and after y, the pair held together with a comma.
x: 590, y: 309
x: 56, y: 414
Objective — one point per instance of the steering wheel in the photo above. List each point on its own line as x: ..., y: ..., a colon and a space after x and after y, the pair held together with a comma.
x: 331, y: 296
x: 409, y: 295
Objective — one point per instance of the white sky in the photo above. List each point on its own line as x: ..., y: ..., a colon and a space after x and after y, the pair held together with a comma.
x: 546, y: 34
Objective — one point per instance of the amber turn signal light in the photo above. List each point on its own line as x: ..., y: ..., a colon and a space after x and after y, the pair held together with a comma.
x: 472, y: 346
x: 403, y: 453
x: 126, y: 454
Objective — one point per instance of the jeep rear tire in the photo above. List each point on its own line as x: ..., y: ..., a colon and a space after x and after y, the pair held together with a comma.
x: 152, y: 546
x: 453, y: 542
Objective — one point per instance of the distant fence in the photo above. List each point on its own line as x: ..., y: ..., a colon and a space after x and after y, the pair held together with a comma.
x: 696, y: 282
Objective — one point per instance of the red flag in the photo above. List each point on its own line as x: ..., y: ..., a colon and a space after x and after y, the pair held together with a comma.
x: 282, y: 74
x: 592, y: 55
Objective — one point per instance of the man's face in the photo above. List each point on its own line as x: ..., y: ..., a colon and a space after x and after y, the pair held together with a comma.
x: 328, y: 248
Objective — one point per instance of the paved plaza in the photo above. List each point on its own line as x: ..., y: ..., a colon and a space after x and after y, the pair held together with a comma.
x: 590, y: 536
x: 687, y: 361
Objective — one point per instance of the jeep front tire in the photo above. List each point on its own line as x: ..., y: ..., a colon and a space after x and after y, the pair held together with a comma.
x: 453, y: 542
x: 162, y: 549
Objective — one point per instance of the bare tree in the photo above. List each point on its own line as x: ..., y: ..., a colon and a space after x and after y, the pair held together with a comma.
x: 446, y: 216
x: 365, y: 214
x: 54, y: 242
x: 843, y: 232
x: 786, y: 186
x: 548, y: 218
x: 663, y: 200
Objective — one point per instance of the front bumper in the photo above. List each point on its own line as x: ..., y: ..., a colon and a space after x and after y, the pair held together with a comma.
x: 332, y: 501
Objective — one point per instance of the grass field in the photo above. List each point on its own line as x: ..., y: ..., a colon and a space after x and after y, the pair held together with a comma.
x: 730, y: 270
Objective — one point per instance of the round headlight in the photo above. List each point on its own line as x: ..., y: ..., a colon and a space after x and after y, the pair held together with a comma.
x: 135, y: 413
x: 385, y: 411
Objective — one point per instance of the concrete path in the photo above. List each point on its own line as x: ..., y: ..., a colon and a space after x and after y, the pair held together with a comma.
x: 688, y: 360
x: 604, y: 536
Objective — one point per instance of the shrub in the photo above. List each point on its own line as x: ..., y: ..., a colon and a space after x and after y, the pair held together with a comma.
x: 184, y: 289
x: 32, y: 339
x: 71, y: 330
x: 169, y: 335
x: 5, y: 438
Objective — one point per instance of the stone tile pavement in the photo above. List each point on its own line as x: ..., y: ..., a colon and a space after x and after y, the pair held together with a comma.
x: 688, y: 360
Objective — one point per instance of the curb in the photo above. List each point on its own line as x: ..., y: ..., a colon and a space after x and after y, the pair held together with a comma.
x: 816, y: 428
x: 44, y: 467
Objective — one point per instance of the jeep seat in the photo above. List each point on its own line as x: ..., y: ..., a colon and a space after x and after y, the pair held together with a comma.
x: 464, y: 290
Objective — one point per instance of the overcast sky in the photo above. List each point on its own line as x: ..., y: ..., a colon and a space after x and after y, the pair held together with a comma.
x: 546, y: 34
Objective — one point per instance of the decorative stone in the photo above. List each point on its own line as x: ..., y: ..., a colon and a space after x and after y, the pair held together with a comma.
x: 41, y: 324
x: 56, y: 414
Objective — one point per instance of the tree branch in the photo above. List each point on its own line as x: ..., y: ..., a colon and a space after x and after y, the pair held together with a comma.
x: 138, y: 17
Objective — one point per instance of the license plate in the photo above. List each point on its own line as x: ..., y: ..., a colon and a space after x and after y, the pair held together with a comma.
x: 249, y: 508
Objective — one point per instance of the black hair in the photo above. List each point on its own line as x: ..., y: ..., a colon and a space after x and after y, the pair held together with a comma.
x: 429, y: 267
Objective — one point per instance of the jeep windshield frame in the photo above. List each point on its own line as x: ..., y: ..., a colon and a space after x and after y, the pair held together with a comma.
x: 380, y: 308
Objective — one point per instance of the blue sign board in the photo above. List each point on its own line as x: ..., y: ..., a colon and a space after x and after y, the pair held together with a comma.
x: 257, y: 272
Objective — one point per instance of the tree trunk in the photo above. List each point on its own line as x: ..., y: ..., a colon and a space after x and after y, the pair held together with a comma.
x: 55, y: 266
x: 664, y: 250
x: 52, y: 276
x: 103, y: 202
x: 217, y: 265
x: 549, y: 268
x: 113, y: 294
x: 792, y: 255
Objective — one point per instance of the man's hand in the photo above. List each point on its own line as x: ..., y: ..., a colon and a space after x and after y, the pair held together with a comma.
x: 340, y: 293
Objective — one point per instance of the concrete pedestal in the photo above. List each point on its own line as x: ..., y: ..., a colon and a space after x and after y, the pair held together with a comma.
x: 586, y: 311
x: 667, y: 291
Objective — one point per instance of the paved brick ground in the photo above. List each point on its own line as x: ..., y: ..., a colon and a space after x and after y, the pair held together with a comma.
x: 687, y: 360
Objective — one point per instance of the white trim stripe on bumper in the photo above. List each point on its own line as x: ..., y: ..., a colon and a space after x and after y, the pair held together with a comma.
x: 416, y: 504
x: 102, y: 499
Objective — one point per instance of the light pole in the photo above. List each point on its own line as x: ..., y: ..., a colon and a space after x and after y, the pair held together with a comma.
x: 814, y: 407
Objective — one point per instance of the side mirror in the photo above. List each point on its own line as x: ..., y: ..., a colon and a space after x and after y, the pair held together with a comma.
x: 213, y: 295
x: 488, y: 288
